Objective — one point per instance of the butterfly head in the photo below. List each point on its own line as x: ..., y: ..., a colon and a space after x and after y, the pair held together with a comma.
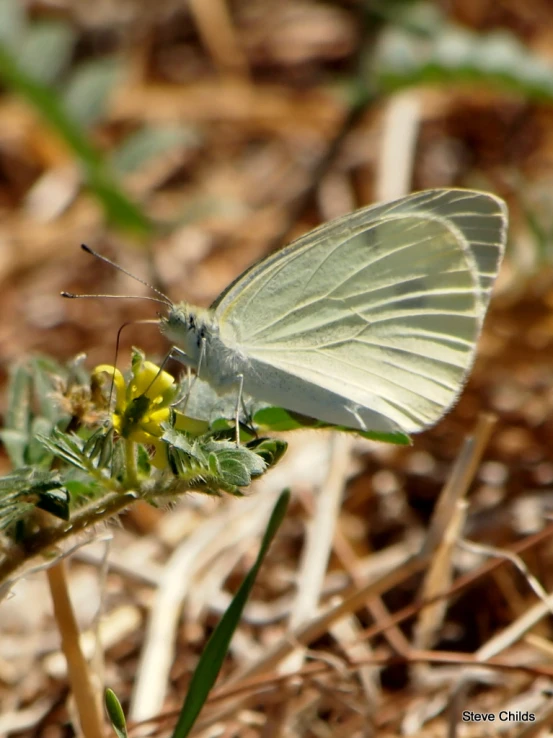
x: 186, y: 327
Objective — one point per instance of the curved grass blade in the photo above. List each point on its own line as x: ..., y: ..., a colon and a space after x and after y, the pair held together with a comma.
x: 216, y: 649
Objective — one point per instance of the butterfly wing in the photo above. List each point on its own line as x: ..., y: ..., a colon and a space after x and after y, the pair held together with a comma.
x: 374, y: 316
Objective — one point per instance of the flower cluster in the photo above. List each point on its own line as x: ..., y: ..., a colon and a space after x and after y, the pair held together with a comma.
x: 142, y: 404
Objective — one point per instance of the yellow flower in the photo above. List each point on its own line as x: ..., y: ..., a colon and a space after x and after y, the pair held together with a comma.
x: 142, y: 404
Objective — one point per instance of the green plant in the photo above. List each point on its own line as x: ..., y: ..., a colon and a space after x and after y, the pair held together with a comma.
x: 78, y: 461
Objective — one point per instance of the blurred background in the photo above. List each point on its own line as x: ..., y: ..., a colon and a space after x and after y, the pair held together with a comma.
x: 186, y: 140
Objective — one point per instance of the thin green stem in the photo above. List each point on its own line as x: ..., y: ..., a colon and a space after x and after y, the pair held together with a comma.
x: 130, y: 463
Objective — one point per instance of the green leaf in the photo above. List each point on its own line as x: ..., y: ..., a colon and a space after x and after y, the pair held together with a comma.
x: 115, y: 713
x: 451, y: 54
x: 45, y: 50
x: 18, y: 416
x: 87, y: 93
x: 118, y: 461
x: 213, y: 465
x: 117, y: 206
x: 271, y: 450
x: 34, y: 408
x: 55, y: 501
x: 217, y: 646
x: 149, y: 143
x: 13, y: 22
x: 36, y: 453
x: 15, y: 443
x: 68, y: 448
x: 15, y: 434
x: 28, y: 488
x: 237, y: 464
x: 143, y: 461
x: 189, y: 446
x: 277, y: 419
x: 99, y: 447
x: 233, y: 471
x: 83, y: 490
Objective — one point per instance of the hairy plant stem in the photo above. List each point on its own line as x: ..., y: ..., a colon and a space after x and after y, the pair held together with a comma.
x: 40, y: 542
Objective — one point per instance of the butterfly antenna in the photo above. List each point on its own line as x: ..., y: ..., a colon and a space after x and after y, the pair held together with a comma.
x: 164, y: 299
x: 73, y: 296
x: 118, y: 342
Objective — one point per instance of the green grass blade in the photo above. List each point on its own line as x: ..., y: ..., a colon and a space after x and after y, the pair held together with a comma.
x: 216, y: 649
x: 119, y: 209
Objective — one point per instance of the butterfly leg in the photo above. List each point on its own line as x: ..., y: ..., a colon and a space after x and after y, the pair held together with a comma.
x: 179, y: 355
x: 239, y: 402
x: 248, y: 419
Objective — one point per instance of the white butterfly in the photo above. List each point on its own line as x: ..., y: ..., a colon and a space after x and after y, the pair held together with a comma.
x: 370, y: 321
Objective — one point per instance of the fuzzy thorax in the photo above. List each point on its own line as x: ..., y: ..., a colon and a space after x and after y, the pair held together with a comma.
x: 189, y: 329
